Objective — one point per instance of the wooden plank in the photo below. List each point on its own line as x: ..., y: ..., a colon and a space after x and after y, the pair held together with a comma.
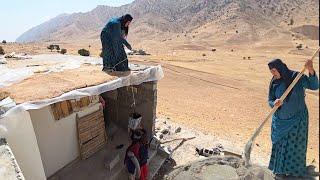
x: 93, y: 144
x: 84, y: 102
x: 87, y: 100
x: 83, y: 126
x: 54, y: 111
x: 59, y: 111
x: 74, y: 105
x: 91, y: 133
x: 69, y: 107
x: 96, y: 113
x: 64, y: 109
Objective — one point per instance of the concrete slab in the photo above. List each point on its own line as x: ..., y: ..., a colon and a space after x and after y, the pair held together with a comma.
x: 97, y: 166
x: 219, y: 172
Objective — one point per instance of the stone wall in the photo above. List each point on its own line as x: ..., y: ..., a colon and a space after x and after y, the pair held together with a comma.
x: 119, y: 105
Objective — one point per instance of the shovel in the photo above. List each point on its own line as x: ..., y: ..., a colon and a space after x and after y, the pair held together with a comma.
x: 248, y: 147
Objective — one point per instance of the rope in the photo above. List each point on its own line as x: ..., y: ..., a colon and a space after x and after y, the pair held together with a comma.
x: 133, y: 105
x: 113, y: 68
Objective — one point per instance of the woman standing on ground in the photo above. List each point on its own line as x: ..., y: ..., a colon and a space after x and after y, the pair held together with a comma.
x: 289, y: 132
x: 113, y: 38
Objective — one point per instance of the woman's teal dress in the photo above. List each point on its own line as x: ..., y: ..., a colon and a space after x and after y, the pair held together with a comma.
x: 289, y: 131
x: 113, y: 53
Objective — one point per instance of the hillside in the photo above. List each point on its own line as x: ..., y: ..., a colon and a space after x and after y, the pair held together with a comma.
x: 245, y: 20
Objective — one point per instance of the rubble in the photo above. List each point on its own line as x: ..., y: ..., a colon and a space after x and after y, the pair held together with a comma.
x: 225, y: 167
x: 178, y: 130
x: 3, y: 61
x: 197, y: 155
x: 138, y: 52
x: 15, y: 56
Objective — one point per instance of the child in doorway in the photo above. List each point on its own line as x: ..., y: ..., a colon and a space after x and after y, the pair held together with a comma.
x: 136, y: 157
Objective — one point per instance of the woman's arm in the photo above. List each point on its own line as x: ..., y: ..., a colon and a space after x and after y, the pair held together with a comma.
x: 117, y: 34
x: 271, y: 97
x: 311, y: 82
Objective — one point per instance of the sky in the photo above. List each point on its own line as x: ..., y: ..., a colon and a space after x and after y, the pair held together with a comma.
x: 18, y: 16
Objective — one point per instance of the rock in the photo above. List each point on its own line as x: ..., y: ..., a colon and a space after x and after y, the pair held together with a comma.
x: 3, y: 61
x: 258, y: 173
x: 165, y: 131
x: 219, y: 172
x: 11, y: 55
x: 178, y: 130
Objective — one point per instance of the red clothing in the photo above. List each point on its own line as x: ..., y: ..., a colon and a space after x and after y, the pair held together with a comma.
x: 144, y: 172
x: 135, y: 149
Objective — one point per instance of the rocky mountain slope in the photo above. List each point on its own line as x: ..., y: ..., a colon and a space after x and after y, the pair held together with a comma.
x: 246, y: 20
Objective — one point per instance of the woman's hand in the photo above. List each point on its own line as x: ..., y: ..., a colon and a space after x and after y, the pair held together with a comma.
x: 129, y: 47
x: 277, y: 103
x: 309, y: 66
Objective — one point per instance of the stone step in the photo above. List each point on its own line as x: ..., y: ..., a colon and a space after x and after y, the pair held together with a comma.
x: 155, y: 164
x: 116, y: 171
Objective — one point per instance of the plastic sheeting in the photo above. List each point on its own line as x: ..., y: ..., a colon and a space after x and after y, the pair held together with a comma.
x: 9, y: 76
x: 139, y: 74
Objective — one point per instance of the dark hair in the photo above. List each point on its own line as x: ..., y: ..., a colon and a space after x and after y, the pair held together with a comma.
x: 136, y: 136
x: 123, y: 20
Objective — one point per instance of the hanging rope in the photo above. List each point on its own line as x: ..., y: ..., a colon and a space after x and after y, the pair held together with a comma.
x: 113, y: 68
x: 133, y: 105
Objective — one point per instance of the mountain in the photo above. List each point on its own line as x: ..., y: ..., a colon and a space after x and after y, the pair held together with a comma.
x: 248, y: 20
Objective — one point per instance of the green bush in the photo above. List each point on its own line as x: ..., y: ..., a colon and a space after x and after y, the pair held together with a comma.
x: 84, y: 52
x: 54, y: 46
x: 51, y: 47
x: 63, y: 51
x: 1, y: 51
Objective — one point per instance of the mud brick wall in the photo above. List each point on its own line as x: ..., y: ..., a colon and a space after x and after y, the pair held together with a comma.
x: 119, y: 102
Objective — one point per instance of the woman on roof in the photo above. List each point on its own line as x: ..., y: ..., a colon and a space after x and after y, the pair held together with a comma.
x: 113, y: 37
x: 289, y: 132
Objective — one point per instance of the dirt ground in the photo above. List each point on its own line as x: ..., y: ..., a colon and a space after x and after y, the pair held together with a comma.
x: 226, y: 96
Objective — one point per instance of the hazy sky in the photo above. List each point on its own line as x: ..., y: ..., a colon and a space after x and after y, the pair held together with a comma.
x: 17, y: 16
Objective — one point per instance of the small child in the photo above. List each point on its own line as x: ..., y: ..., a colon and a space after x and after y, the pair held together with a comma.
x: 133, y: 155
x: 137, y: 156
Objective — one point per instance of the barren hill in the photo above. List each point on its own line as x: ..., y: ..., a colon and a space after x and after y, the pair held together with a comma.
x: 243, y: 20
